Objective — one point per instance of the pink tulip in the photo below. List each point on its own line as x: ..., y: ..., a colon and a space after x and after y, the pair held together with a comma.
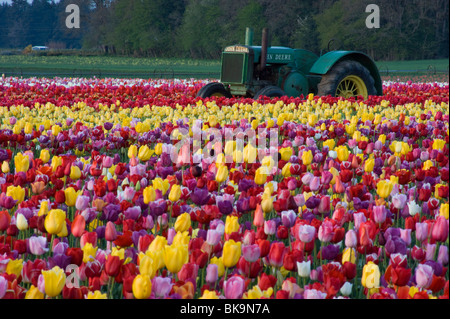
x: 399, y: 201
x: 270, y: 227
x: 405, y: 234
x: 161, y: 286
x: 351, y: 240
x: 421, y: 231
x: 379, y: 214
x: 233, y: 288
x: 314, y: 184
x: 37, y: 245
x: 325, y: 233
x: 251, y: 253
x: 110, y: 231
x: 440, y: 229
x: 212, y: 273
x: 3, y: 286
x: 424, y: 276
x: 306, y: 233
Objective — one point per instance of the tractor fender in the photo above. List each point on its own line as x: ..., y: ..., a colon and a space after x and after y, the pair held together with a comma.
x: 328, y: 60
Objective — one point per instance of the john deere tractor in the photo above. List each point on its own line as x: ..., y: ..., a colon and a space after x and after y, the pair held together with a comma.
x: 274, y: 71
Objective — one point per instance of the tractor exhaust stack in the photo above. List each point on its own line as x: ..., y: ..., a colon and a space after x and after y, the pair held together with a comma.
x: 248, y: 36
x: 264, y: 44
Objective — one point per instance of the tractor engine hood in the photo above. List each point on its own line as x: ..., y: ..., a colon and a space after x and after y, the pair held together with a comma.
x: 281, y: 55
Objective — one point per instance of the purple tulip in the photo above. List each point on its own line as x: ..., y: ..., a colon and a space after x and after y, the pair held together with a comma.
x: 330, y: 252
x: 60, y: 260
x: 312, y: 202
x: 111, y: 212
x: 161, y: 286
x: 399, y: 200
x: 82, y: 202
x: 200, y: 196
x: 288, y: 218
x: 133, y: 212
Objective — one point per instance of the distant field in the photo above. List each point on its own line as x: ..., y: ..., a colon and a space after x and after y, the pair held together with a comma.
x: 101, y: 66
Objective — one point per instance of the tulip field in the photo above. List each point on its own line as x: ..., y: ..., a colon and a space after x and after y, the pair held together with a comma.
x: 130, y: 189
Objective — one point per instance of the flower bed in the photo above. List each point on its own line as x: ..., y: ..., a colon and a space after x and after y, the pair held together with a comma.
x: 133, y: 189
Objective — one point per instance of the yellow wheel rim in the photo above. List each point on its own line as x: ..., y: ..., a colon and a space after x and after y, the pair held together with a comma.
x: 352, y: 85
x: 217, y: 94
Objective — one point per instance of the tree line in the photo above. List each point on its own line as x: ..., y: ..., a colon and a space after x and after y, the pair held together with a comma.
x: 408, y: 30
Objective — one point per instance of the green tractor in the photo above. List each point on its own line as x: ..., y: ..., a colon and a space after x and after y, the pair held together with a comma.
x: 273, y: 71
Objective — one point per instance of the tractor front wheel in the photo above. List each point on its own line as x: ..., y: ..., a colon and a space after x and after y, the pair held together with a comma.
x: 213, y: 89
x: 269, y: 91
x: 347, y: 79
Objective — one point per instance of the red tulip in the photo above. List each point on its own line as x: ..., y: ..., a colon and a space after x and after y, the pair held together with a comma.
x: 276, y: 254
x: 5, y: 220
x: 113, y: 265
x: 78, y: 225
x: 440, y: 229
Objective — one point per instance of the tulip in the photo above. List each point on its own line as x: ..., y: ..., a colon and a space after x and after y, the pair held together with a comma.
x: 142, y: 287
x: 261, y: 175
x: 258, y: 219
x: 45, y: 156
x: 175, y: 193
x: 149, y: 194
x: 231, y: 253
x: 234, y: 287
x: 71, y: 196
x: 384, y: 188
x: 379, y: 214
x: 306, y: 233
x: 32, y: 293
x: 371, y: 276
x: 440, y: 229
x: 21, y: 162
x: 307, y: 157
x: 144, y: 153
x: 304, y: 268
x: 16, y: 192
x: 97, y: 294
x: 21, y: 222
x: 222, y: 173
x: 183, y: 223
x: 276, y: 254
x: 231, y: 224
x: 5, y: 220
x: 424, y: 275
x: 37, y: 245
x: 54, y: 279
x: 174, y: 257
x: 78, y: 225
x: 251, y: 252
x: 55, y: 221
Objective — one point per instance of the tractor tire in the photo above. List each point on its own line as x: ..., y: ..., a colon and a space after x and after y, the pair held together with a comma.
x: 347, y: 78
x: 213, y: 89
x: 269, y: 91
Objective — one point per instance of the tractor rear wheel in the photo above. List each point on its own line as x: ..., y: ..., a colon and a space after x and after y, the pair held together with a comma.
x: 213, y: 89
x: 347, y: 79
x: 269, y: 91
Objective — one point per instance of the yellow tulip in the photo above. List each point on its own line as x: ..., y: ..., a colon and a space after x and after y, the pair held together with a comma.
x: 438, y: 144
x: 14, y: 267
x: 5, y: 167
x: 146, y: 266
x: 231, y: 253
x: 34, y: 293
x: 286, y: 170
x: 158, y: 149
x: 89, y: 252
x: 132, y: 151
x: 54, y: 280
x: 250, y: 154
x: 286, y: 153
x: 142, y: 287
x: 96, y: 295
x: 174, y: 257
x: 43, y: 210
x: 56, y: 129
x: 149, y: 194
x: 261, y: 175
x: 162, y: 185
x: 369, y: 165
x: 371, y: 276
x: 382, y: 138
x: 145, y: 153
x: 349, y: 254
x: 21, y: 162
x: 209, y: 294
x: 28, y: 129
x: 56, y: 161
x: 175, y: 193
x: 183, y: 223
x: 312, y: 119
x: 157, y: 244
x: 231, y: 224
x: 444, y: 210
x: 427, y: 165
x: 16, y: 192
x: 330, y: 143
x: 220, y: 266
x: 75, y: 172
x: 222, y: 174
x: 384, y: 188
x: 307, y: 157
x: 342, y: 153
x: 44, y: 156
x: 54, y: 221
x: 71, y: 196
x: 267, y: 205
